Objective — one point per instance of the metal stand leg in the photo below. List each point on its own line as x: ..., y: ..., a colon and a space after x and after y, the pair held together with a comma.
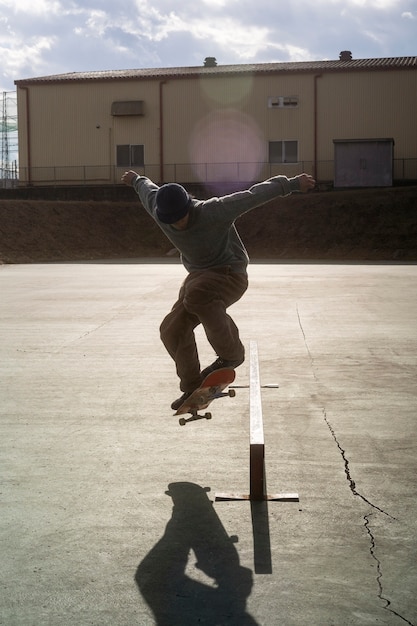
x: 257, y: 444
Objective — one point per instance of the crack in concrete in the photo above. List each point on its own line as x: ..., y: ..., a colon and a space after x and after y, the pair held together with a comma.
x: 372, y: 548
x: 349, y: 478
x: 379, y: 572
x: 355, y: 492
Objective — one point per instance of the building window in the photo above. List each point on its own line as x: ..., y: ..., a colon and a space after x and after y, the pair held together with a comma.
x: 283, y: 151
x: 282, y: 102
x: 130, y: 156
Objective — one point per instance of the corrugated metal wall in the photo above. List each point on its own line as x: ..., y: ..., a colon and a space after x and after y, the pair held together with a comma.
x: 217, y: 127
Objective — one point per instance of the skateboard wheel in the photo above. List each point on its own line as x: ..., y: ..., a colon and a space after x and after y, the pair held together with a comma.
x: 181, y: 421
x: 208, y: 416
x: 232, y: 393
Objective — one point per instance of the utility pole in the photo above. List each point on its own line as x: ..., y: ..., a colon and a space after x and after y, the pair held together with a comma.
x: 4, y: 138
x: 8, y: 128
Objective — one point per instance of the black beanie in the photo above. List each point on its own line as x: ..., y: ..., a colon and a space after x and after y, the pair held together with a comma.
x: 172, y: 203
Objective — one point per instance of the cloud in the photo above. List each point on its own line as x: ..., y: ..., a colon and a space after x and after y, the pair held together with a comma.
x: 40, y: 37
x: 33, y: 7
x: 366, y: 4
x: 21, y: 55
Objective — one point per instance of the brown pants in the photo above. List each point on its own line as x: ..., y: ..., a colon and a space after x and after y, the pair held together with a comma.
x: 203, y: 299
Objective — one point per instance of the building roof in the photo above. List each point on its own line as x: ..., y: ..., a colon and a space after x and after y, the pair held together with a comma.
x: 340, y: 65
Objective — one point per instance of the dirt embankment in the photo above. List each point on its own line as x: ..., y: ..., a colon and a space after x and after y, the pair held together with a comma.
x: 372, y: 224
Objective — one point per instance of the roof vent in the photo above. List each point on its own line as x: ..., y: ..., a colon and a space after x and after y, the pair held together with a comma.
x: 345, y: 55
x: 210, y: 62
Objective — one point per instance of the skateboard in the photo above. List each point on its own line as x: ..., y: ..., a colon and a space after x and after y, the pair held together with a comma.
x: 211, y: 388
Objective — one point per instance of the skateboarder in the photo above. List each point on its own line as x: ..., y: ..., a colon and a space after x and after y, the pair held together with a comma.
x: 212, y: 252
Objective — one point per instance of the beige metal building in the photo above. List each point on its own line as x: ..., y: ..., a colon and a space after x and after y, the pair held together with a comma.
x: 340, y: 120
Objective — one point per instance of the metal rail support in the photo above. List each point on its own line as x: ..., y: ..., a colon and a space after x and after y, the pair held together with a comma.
x: 257, y: 444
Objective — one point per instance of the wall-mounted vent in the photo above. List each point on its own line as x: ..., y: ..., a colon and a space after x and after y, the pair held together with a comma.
x: 127, y: 107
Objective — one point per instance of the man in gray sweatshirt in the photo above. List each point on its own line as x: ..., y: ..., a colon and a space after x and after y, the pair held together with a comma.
x: 215, y: 258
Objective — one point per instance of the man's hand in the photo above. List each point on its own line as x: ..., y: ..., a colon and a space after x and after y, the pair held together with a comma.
x: 129, y: 177
x: 306, y: 181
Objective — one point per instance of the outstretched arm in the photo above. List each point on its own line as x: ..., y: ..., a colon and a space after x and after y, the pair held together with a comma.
x: 144, y: 187
x: 238, y: 203
x: 129, y: 178
x: 306, y: 182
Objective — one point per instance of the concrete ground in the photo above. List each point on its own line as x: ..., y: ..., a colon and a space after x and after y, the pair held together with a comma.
x: 92, y: 460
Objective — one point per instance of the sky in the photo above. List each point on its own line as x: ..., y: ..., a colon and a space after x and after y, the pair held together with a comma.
x: 44, y: 37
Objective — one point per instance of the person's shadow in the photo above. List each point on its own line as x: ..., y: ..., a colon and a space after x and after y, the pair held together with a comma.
x: 174, y: 597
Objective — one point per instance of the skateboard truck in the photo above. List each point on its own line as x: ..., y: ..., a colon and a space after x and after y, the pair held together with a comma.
x: 195, y: 415
x: 211, y: 388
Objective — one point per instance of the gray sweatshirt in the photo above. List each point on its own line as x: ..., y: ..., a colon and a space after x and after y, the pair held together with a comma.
x: 211, y: 239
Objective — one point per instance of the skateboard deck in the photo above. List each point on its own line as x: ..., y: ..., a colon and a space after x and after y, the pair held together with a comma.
x: 211, y: 388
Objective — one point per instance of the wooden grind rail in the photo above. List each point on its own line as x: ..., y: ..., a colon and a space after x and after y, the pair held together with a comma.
x: 256, y: 443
